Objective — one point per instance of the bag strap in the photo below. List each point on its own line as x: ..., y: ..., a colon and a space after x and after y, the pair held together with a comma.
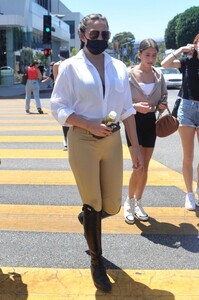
x: 160, y: 113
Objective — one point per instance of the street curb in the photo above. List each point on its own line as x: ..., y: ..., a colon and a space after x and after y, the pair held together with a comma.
x: 22, y: 95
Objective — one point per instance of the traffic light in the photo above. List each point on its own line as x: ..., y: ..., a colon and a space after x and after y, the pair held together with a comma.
x: 47, y: 29
x: 47, y: 52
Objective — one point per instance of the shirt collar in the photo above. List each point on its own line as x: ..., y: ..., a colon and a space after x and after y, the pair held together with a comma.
x: 82, y: 55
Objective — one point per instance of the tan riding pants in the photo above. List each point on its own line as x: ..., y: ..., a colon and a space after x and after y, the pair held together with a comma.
x: 97, y: 165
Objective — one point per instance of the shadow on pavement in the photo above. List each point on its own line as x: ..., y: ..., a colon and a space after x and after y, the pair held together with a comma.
x: 124, y: 287
x: 170, y: 235
x: 36, y: 113
x: 12, y: 286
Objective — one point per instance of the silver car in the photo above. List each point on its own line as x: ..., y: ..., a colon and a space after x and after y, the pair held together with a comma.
x: 172, y: 76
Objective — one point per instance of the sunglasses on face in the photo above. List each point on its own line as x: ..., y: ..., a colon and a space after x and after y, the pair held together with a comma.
x: 94, y: 34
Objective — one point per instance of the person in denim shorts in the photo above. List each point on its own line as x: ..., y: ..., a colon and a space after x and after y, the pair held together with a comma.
x: 188, y: 111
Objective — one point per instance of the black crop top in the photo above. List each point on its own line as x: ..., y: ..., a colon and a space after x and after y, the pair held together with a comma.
x: 190, y: 79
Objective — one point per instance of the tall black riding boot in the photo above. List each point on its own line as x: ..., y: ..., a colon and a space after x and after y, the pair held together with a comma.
x: 92, y: 233
x: 81, y: 215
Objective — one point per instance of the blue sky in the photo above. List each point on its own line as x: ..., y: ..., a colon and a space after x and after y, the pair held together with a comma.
x: 144, y: 18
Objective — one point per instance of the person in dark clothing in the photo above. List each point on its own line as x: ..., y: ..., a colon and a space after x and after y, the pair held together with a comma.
x: 188, y: 111
x: 63, y: 54
x: 51, y: 76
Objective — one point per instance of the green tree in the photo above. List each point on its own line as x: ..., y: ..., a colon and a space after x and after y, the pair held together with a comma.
x: 18, y: 38
x: 187, y: 26
x: 26, y: 55
x: 40, y: 57
x: 74, y: 51
x: 170, y: 33
x: 182, y: 29
x: 123, y: 44
x: 161, y: 52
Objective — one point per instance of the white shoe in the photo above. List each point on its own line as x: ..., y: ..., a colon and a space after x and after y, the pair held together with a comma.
x: 190, y: 203
x: 140, y: 214
x: 129, y: 206
x: 65, y: 144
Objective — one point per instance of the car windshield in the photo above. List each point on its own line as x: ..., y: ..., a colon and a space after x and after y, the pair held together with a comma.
x: 170, y: 71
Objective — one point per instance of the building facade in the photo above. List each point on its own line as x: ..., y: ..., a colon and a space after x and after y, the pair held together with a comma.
x: 71, y: 18
x: 21, y: 30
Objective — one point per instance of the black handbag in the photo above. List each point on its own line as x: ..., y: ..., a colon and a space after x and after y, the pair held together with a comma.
x: 175, y: 107
x: 24, y: 78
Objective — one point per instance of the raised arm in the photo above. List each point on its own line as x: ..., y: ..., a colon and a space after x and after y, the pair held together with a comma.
x: 172, y: 61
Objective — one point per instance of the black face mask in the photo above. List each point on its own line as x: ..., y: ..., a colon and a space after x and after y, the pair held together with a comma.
x: 96, y: 46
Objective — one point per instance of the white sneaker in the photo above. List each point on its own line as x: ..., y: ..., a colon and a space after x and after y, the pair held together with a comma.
x: 129, y: 206
x: 190, y: 203
x: 140, y: 214
x: 65, y: 144
x: 197, y: 192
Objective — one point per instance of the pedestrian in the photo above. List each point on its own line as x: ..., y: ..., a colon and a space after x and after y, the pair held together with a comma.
x: 186, y: 59
x: 63, y: 54
x: 50, y: 77
x: 32, y: 86
x: 149, y: 93
x: 89, y: 86
x: 41, y: 68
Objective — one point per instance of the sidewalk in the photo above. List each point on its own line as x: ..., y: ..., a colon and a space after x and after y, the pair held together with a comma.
x: 18, y: 90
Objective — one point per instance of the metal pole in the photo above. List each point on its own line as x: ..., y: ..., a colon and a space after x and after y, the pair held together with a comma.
x: 48, y: 7
x: 49, y: 59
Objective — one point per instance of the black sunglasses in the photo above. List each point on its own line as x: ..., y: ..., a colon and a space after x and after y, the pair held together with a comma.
x: 94, y: 34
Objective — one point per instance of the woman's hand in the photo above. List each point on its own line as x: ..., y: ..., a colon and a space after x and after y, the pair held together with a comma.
x: 137, y: 158
x: 93, y: 126
x: 162, y: 106
x: 189, y: 48
x: 142, y: 107
x: 100, y: 130
x: 136, y: 154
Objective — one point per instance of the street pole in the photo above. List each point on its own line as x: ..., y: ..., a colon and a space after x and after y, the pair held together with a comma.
x: 48, y: 58
x: 48, y: 7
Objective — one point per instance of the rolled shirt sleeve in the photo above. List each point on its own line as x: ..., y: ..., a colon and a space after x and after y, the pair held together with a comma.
x: 78, y: 89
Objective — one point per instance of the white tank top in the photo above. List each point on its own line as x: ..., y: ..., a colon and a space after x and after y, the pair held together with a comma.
x: 146, y: 87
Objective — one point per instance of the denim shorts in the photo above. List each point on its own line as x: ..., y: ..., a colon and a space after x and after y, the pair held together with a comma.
x: 188, y: 113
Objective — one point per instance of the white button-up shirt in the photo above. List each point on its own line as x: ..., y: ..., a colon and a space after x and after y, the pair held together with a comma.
x: 78, y: 89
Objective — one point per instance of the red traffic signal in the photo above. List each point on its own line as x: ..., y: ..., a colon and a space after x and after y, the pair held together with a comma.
x: 47, y: 52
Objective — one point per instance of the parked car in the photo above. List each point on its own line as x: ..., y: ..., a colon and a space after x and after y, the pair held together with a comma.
x: 172, y: 76
x: 6, y: 75
x: 6, y: 70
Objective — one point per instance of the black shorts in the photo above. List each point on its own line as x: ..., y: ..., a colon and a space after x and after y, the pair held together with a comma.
x: 145, y: 124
